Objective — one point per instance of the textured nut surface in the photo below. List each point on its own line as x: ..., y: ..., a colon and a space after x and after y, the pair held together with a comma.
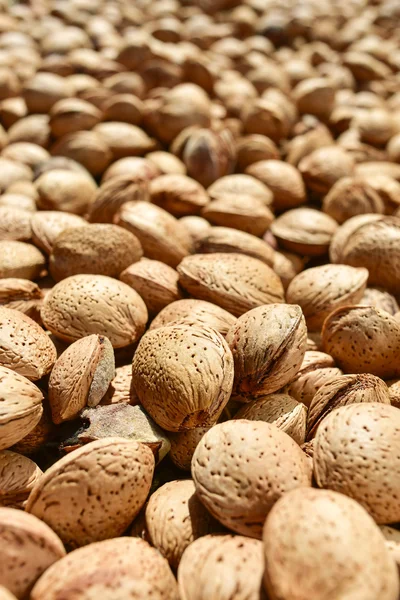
x: 18, y: 259
x: 304, y: 230
x: 284, y: 181
x: 123, y: 567
x: 48, y: 224
x: 240, y: 185
x: 195, y: 312
x: 392, y: 537
x: 124, y: 139
x: 15, y: 224
x: 345, y: 232
x: 319, y: 544
x: 84, y: 304
x: 86, y: 147
x: 114, y: 193
x: 282, y: 410
x: 241, y: 468
x: 18, y: 474
x: 226, y: 239
x: 95, y: 492
x: 24, y: 346
x: 356, y: 452
x: 268, y: 345
x: 183, y: 445
x: 349, y: 197
x: 235, y: 282
x: 121, y: 388
x: 246, y: 213
x: 178, y: 194
x: 380, y: 299
x: 325, y: 166
x: 64, y: 190
x: 320, y: 290
x: 22, y: 295
x: 222, y: 567
x: 183, y: 375
x: 175, y: 517
x: 80, y: 377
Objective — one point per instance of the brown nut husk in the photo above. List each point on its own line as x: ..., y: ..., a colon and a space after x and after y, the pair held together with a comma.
x: 18, y: 475
x: 268, y: 345
x: 84, y: 479
x: 241, y: 468
x: 356, y: 453
x: 191, y: 380
x: 305, y: 231
x: 351, y: 550
x: 195, y: 312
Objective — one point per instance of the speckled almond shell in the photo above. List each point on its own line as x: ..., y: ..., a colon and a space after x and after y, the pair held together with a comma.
x: 345, y: 232
x: 15, y: 224
x: 183, y: 445
x: 241, y: 468
x: 22, y: 295
x: 18, y: 259
x: 183, y: 375
x: 357, y: 453
x: 222, y: 567
x: 121, y: 388
x: 24, y: 346
x: 244, y: 213
x: 319, y: 544
x: 363, y: 339
x: 80, y: 377
x: 175, y: 517
x: 27, y: 548
x: 94, y: 492
x: 320, y: 290
x: 195, y: 312
x: 234, y: 282
x: 226, y: 239
x: 178, y: 194
x: 48, y: 224
x: 18, y: 475
x: 125, y: 567
x: 344, y: 390
x: 86, y: 304
x: 268, y: 345
x: 282, y: 410
x: 304, y: 231
x: 284, y: 181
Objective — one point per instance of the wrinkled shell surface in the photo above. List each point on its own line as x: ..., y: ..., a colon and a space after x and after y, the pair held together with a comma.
x: 304, y: 230
x: 48, y: 224
x: 22, y: 295
x: 195, y: 312
x: 183, y: 445
x: 18, y: 474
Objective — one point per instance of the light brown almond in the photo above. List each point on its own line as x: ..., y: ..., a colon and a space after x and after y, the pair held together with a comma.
x: 195, y: 312
x: 183, y: 445
x: 47, y: 225
x: 22, y: 295
x: 245, y: 213
x: 64, y: 190
x: 304, y: 230
x: 178, y: 194
x: 225, y: 239
x: 284, y: 181
x: 18, y: 474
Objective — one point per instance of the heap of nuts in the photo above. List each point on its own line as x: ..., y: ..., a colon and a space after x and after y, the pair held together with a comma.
x: 199, y: 287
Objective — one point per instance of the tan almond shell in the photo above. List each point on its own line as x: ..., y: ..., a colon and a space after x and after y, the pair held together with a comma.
x: 345, y: 232
x: 284, y: 181
x: 233, y: 281
x: 43, y: 432
x: 245, y: 213
x: 94, y: 492
x: 222, y: 567
x: 6, y: 594
x: 178, y: 194
x: 99, y: 248
x: 316, y: 370
x: 156, y: 282
x: 27, y: 548
x: 319, y: 544
x: 124, y: 139
x: 132, y: 169
x: 18, y: 475
x: 392, y: 537
x: 18, y: 259
x: 287, y: 265
x: 349, y: 197
x: 47, y: 225
x: 15, y: 224
x: 161, y: 235
x: 394, y: 392
x: 24, y: 346
x: 121, y: 388
x: 183, y: 445
x: 22, y: 295
x: 115, y: 310
x: 363, y: 339
x: 196, y: 227
x: 380, y: 299
x: 193, y: 311
x: 323, y: 167
x: 64, y: 190
x: 175, y: 517
x: 113, y: 194
x: 240, y: 184
x: 320, y: 290
x: 356, y: 452
x: 80, y: 377
x: 166, y: 163
x: 304, y: 231
x: 268, y: 345
x: 342, y: 391
x: 183, y: 375
x: 126, y: 567
x: 282, y: 410
x: 241, y: 468
x: 19, y: 198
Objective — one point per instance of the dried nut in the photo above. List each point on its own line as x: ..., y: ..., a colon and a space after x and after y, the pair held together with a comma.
x: 363, y: 339
x: 18, y: 474
x: 268, y: 345
x: 280, y: 409
x: 178, y: 194
x: 223, y: 567
x: 22, y: 295
x: 121, y: 388
x: 18, y: 259
x: 324, y: 167
x: 325, y: 534
x: 351, y: 196
x: 240, y: 185
x: 124, y: 139
x: 225, y: 239
x: 95, y: 492
x: 245, y: 213
x: 59, y: 163
x: 265, y: 117
x: 320, y: 290
x: 154, y: 281
x: 47, y: 225
x: 283, y: 180
x: 305, y: 231
x: 317, y: 369
x: 341, y: 391
x: 356, y: 452
x: 123, y: 107
x: 32, y: 544
x: 302, y: 145
x: 195, y: 226
x: 86, y: 147
x: 381, y: 167
x: 166, y: 163
x: 80, y: 377
x: 287, y: 265
x: 253, y: 148
x: 44, y: 90
x: 375, y: 126
x: 392, y: 538
x: 17, y: 200
x: 86, y: 304
x: 161, y: 235
x: 73, y: 114
x: 387, y: 188
x: 393, y: 148
x: 195, y: 312
x: 315, y: 96
x: 12, y: 110
x: 65, y: 190
x: 192, y: 379
x: 44, y: 432
x: 99, y: 248
x: 175, y: 518
x: 380, y: 299
x: 12, y: 172
x: 24, y: 346
x: 183, y: 445
x: 235, y: 282
x: 32, y: 128
x: 113, y: 194
x: 124, y: 566
x: 365, y: 67
x: 259, y: 464
x: 133, y: 169
x: 345, y: 232
x: 6, y: 594
x: 27, y: 153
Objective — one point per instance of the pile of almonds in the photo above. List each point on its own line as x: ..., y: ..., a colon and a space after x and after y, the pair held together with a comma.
x: 199, y: 300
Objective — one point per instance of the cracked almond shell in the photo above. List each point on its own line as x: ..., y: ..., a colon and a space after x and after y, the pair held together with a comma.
x: 18, y: 475
x: 94, y: 492
x: 194, y: 312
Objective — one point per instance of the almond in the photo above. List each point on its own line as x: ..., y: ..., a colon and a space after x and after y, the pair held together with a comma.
x: 183, y: 445
x: 283, y: 180
x: 121, y: 388
x: 240, y: 184
x: 86, y: 147
x: 380, y: 299
x: 178, y: 194
x: 21, y: 260
x: 351, y: 196
x: 18, y: 474
x: 124, y: 139
x: 324, y: 167
x: 225, y: 239
x: 113, y: 194
x: 65, y: 190
x: 245, y: 213
x: 47, y: 225
x: 22, y: 295
x: 304, y: 230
